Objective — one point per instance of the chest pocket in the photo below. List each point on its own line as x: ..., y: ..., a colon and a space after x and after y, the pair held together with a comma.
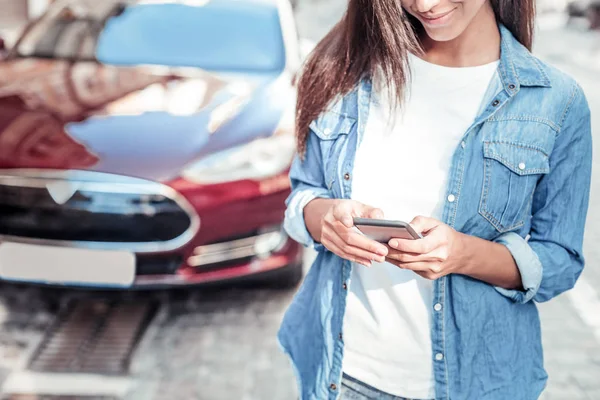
x: 333, y: 130
x: 511, y: 173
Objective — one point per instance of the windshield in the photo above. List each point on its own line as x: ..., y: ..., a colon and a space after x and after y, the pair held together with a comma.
x: 223, y: 35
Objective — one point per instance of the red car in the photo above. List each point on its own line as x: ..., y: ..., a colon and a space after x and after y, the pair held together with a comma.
x: 148, y: 144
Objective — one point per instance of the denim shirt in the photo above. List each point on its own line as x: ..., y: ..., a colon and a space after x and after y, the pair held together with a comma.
x: 520, y: 177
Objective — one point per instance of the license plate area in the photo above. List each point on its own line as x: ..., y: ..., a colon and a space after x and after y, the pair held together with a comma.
x: 66, y: 266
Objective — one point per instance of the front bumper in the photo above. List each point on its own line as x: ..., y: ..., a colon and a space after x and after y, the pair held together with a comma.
x: 217, y: 266
x: 241, y: 232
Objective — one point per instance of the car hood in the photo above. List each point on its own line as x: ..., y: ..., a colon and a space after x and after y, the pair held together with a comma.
x: 147, y: 122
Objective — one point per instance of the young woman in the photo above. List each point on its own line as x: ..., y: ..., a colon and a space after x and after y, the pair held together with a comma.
x: 433, y: 112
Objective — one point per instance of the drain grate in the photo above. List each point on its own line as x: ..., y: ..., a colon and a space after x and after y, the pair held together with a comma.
x: 93, y: 337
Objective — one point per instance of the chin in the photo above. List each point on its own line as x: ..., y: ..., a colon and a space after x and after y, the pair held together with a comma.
x: 445, y: 34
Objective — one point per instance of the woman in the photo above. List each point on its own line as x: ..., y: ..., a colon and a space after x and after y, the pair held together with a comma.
x: 434, y: 112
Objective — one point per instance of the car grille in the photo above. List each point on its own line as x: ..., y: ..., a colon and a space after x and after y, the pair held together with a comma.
x: 148, y: 219
x: 158, y: 264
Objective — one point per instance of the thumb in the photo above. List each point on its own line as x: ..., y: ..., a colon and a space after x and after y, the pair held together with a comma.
x: 344, y: 212
x: 375, y: 213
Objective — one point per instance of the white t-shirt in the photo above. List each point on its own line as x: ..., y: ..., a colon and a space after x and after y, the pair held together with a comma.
x: 401, y: 166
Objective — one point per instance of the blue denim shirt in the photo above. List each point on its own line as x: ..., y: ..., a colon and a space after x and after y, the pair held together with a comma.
x: 520, y: 177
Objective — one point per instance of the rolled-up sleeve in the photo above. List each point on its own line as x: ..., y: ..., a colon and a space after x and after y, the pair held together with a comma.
x: 551, y: 261
x: 308, y: 183
x: 529, y: 266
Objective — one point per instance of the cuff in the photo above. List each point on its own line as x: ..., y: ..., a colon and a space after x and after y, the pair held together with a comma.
x: 294, y: 223
x: 529, y: 266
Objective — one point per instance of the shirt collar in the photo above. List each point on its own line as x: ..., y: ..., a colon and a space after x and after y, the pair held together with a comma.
x: 517, y: 66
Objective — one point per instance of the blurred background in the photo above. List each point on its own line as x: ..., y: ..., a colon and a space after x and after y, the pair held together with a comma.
x: 144, y: 150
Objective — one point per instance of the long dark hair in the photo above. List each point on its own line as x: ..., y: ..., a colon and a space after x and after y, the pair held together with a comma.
x: 378, y: 34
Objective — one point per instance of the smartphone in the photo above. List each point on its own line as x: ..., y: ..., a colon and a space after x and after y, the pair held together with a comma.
x: 383, y: 231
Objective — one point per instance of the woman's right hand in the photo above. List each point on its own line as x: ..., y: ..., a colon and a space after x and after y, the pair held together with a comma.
x: 338, y: 234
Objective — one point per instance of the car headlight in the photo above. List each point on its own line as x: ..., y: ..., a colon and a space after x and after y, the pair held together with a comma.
x: 257, y: 160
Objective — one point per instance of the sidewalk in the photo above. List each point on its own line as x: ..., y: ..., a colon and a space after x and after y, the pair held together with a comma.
x: 572, y: 353
x: 571, y: 322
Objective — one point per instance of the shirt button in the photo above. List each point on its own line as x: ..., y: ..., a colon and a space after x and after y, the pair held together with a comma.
x: 340, y: 336
x: 345, y: 286
x: 451, y: 198
x: 463, y: 144
x: 522, y: 166
x: 437, y: 307
x: 511, y: 86
x: 327, y: 131
x: 347, y: 176
x: 439, y: 356
x: 333, y: 386
x: 495, y: 103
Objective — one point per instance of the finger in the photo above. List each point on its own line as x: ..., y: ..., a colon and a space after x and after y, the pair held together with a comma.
x: 434, y: 239
x: 408, y: 257
x: 423, y: 224
x: 352, y: 243
x: 438, y: 255
x: 355, y: 238
x: 420, y: 246
x: 416, y: 266
x: 428, y: 275
x: 341, y: 253
x: 431, y: 267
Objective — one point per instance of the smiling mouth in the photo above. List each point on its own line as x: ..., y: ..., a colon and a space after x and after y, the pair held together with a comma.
x: 440, y: 18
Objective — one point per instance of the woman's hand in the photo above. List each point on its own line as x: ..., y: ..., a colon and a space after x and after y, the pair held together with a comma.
x: 439, y: 253
x: 340, y: 237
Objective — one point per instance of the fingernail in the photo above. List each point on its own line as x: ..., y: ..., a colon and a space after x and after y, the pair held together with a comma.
x: 381, y: 259
x: 394, y: 243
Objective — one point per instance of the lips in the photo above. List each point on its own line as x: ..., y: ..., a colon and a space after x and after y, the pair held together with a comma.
x: 436, y: 19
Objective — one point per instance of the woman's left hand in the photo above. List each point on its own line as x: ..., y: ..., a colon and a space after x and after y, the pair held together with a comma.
x: 436, y: 255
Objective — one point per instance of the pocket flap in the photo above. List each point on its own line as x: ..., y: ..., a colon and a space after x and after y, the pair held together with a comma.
x: 521, y: 158
x: 329, y: 126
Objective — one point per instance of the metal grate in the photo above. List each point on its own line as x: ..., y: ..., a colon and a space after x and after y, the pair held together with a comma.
x: 31, y: 212
x: 93, y: 337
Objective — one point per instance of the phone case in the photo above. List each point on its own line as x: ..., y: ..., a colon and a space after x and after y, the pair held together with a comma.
x: 384, y: 230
